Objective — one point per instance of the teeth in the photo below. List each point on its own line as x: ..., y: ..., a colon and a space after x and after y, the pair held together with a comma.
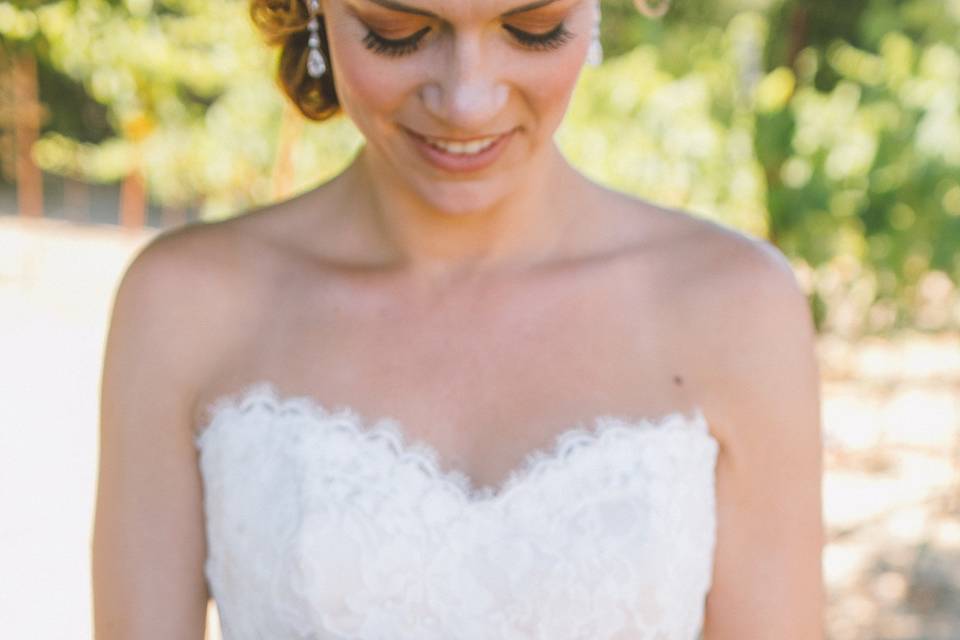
x: 463, y: 148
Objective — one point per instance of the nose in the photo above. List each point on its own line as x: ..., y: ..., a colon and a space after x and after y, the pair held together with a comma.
x: 467, y: 91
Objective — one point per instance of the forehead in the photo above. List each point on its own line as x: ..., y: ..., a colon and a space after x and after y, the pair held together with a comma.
x: 464, y: 10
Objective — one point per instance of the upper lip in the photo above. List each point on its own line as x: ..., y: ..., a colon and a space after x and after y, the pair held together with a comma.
x: 455, y: 139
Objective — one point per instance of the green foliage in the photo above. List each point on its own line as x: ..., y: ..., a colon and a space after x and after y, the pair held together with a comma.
x: 831, y: 128
x: 682, y: 140
x: 867, y: 174
x: 188, y: 95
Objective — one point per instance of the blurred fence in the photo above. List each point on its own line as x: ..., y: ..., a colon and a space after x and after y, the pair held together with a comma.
x: 62, y: 198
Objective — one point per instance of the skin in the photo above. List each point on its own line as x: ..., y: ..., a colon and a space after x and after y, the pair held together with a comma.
x: 486, y: 312
x: 470, y: 78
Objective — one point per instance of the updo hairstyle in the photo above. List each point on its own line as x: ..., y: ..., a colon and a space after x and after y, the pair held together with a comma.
x: 284, y: 23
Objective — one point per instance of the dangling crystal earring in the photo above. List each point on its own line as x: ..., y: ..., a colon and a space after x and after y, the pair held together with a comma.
x: 316, y: 65
x: 595, y: 52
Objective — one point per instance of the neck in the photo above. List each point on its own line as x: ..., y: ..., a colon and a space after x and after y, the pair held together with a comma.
x: 474, y: 234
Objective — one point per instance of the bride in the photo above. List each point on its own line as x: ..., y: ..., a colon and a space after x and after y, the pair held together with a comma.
x: 460, y: 390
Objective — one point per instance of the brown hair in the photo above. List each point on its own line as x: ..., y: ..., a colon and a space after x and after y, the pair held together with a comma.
x: 284, y: 23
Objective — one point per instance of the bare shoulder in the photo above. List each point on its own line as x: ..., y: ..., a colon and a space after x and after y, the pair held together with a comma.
x: 172, y: 317
x: 748, y: 315
x: 758, y: 370
x: 731, y: 285
x: 744, y: 328
x: 183, y: 301
x: 718, y: 260
x: 185, y: 273
x: 739, y: 321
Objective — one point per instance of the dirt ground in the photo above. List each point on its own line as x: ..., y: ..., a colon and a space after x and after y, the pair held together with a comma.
x: 891, y: 418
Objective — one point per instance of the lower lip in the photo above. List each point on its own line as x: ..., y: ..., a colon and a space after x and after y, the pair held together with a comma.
x: 461, y: 163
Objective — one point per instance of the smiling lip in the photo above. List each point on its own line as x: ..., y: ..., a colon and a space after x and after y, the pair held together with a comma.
x: 458, y: 163
x: 449, y: 139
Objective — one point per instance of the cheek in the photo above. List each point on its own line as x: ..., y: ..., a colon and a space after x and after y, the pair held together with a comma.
x: 548, y: 87
x: 558, y: 85
x: 547, y: 79
x: 364, y: 82
x: 372, y: 85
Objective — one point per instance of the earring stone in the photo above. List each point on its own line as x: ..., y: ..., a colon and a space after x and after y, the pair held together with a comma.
x: 316, y: 65
x: 595, y: 52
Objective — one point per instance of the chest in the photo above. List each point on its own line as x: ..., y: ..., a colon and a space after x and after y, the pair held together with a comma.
x: 484, y: 374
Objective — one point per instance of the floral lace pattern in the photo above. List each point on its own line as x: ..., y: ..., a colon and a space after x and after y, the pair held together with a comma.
x: 323, y: 526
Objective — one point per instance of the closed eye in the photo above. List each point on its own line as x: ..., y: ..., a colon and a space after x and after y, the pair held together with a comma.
x: 552, y: 39
x: 386, y: 46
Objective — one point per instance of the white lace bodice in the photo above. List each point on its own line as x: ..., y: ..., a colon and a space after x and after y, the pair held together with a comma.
x: 322, y: 526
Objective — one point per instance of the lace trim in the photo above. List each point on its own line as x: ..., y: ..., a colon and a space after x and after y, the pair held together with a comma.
x: 263, y: 395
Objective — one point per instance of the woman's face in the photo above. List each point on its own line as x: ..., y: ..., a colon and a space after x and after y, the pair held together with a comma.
x: 458, y: 70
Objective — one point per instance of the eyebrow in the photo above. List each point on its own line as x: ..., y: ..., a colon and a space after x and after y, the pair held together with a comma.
x: 396, y: 6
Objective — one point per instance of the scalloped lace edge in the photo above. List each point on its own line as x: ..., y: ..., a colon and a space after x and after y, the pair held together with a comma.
x: 265, y: 395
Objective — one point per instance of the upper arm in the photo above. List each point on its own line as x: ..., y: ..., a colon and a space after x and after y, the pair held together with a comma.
x: 767, y: 569
x: 149, y: 539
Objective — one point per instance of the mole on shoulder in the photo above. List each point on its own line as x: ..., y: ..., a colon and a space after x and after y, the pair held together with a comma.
x: 678, y: 380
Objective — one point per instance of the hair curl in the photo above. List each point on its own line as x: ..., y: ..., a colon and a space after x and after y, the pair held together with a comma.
x: 284, y: 23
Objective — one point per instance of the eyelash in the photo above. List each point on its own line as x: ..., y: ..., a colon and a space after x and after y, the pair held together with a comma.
x: 553, y: 39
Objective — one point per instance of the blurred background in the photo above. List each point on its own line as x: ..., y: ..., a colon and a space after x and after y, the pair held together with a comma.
x: 830, y: 128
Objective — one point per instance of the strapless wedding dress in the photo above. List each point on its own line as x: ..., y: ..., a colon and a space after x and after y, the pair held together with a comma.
x: 322, y: 525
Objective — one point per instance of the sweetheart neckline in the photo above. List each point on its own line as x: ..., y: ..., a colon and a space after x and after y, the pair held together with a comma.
x: 266, y: 394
